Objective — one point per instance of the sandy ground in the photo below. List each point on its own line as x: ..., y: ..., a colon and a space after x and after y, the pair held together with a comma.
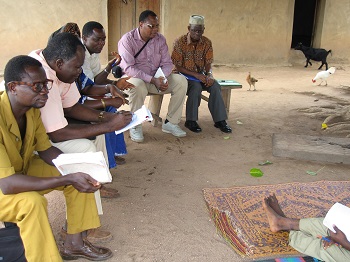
x: 161, y: 214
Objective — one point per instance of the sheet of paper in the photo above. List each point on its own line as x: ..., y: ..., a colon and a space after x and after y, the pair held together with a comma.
x: 92, y: 163
x: 339, y: 216
x: 138, y: 117
x: 160, y: 73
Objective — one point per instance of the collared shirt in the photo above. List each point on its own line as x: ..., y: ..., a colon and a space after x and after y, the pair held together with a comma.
x: 15, y: 153
x: 92, y: 65
x: 193, y: 57
x: 154, y: 55
x: 62, y: 95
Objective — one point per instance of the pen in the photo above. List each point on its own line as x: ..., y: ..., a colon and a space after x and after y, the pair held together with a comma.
x: 324, y: 238
x: 115, y: 62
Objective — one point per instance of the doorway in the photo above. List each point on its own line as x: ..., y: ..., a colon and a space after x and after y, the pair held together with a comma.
x: 123, y: 16
x: 305, y: 14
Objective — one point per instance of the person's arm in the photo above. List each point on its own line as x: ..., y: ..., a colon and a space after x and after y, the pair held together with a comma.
x: 105, y: 122
x: 165, y: 63
x: 102, y: 103
x: 18, y: 183
x: 102, y: 77
x: 127, y: 48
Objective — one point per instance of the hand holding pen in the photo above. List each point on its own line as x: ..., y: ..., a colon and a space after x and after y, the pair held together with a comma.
x: 117, y: 59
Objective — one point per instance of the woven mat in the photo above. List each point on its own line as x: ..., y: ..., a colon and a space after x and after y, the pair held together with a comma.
x: 239, y: 217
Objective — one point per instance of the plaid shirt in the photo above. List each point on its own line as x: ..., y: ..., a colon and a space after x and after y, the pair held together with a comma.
x: 190, y: 56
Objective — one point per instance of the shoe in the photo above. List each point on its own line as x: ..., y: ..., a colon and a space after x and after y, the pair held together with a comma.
x: 175, y: 130
x: 95, y: 235
x: 193, y: 126
x: 224, y: 127
x: 87, y: 251
x: 136, y: 134
x: 119, y: 160
x: 107, y: 192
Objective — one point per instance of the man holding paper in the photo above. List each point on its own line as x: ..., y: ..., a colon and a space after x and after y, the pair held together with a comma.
x: 192, y: 56
x: 144, y: 51
x: 25, y: 177
x: 308, y: 235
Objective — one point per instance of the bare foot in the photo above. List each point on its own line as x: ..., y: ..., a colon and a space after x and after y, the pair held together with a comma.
x: 272, y: 216
x: 273, y: 203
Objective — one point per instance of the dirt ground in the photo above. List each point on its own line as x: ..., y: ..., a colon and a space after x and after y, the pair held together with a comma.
x: 161, y: 214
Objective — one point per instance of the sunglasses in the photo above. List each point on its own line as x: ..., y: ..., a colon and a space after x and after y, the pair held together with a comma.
x: 37, y: 87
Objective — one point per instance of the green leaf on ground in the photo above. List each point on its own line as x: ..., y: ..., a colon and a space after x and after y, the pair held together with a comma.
x: 312, y: 173
x: 256, y: 172
x: 239, y: 122
x: 226, y: 137
x: 267, y: 162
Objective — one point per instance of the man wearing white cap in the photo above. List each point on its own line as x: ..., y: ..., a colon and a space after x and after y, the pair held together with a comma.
x: 192, y: 56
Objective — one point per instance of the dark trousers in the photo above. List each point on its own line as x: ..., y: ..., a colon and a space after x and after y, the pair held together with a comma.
x: 215, y: 104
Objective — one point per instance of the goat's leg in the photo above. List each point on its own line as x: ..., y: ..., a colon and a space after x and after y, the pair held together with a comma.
x: 322, y: 66
x: 307, y: 62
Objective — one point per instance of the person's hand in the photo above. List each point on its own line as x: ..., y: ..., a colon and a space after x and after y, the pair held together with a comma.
x: 202, y: 78
x: 209, y: 81
x: 338, y: 237
x: 123, y: 84
x: 159, y: 83
x: 115, y: 101
x: 116, y: 92
x: 83, y: 182
x: 119, y: 120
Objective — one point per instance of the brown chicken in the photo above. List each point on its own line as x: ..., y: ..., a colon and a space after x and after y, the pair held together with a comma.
x: 251, y: 81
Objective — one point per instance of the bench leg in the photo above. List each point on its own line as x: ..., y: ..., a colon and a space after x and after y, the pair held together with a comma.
x: 155, y: 104
x: 226, y: 95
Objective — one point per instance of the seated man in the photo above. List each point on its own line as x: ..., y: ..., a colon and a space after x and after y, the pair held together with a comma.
x: 94, y: 39
x: 193, y: 55
x: 62, y: 60
x: 304, y: 234
x: 25, y: 177
x: 142, y: 68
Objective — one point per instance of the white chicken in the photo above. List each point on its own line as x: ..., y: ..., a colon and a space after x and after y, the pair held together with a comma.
x: 323, y: 75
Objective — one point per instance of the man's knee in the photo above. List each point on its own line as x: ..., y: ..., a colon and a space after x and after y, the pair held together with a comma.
x: 179, y: 82
x: 30, y: 201
x: 140, y: 88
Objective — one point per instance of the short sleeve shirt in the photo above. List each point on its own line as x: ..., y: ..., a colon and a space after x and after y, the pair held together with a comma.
x: 193, y: 57
x: 62, y: 95
x: 15, y: 153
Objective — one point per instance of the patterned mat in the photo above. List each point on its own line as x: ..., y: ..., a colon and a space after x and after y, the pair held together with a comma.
x: 239, y: 217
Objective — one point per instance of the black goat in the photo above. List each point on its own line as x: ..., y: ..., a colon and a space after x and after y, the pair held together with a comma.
x: 316, y: 54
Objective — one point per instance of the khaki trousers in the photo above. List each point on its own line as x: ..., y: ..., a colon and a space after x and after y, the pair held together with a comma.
x: 177, y: 88
x: 306, y: 241
x: 29, y: 211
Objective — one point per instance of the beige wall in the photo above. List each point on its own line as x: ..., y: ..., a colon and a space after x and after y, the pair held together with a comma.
x: 27, y: 24
x: 336, y: 29
x: 242, y: 32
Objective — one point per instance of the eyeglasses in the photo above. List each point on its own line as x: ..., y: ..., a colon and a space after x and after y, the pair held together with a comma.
x: 200, y: 31
x: 37, y: 87
x: 153, y: 26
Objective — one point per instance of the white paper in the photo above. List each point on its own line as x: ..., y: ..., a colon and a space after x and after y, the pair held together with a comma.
x: 339, y: 216
x: 160, y: 73
x: 138, y: 117
x: 92, y: 163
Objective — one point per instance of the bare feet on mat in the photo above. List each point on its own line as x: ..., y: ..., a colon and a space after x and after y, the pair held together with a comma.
x: 273, y: 203
x: 272, y: 216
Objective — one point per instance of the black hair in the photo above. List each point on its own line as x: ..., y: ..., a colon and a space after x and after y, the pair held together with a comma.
x: 145, y: 14
x: 63, y: 45
x: 15, y: 68
x: 89, y: 27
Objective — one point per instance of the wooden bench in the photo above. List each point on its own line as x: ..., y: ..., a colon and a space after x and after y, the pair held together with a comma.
x: 155, y: 102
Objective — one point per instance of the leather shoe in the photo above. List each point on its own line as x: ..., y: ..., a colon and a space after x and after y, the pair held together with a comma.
x: 107, y: 192
x: 224, y: 127
x: 119, y: 160
x: 193, y: 126
x: 95, y: 235
x: 87, y: 251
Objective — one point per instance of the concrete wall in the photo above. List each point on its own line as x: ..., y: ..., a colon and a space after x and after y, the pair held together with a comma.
x: 242, y: 32
x: 26, y: 25
x: 336, y: 30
